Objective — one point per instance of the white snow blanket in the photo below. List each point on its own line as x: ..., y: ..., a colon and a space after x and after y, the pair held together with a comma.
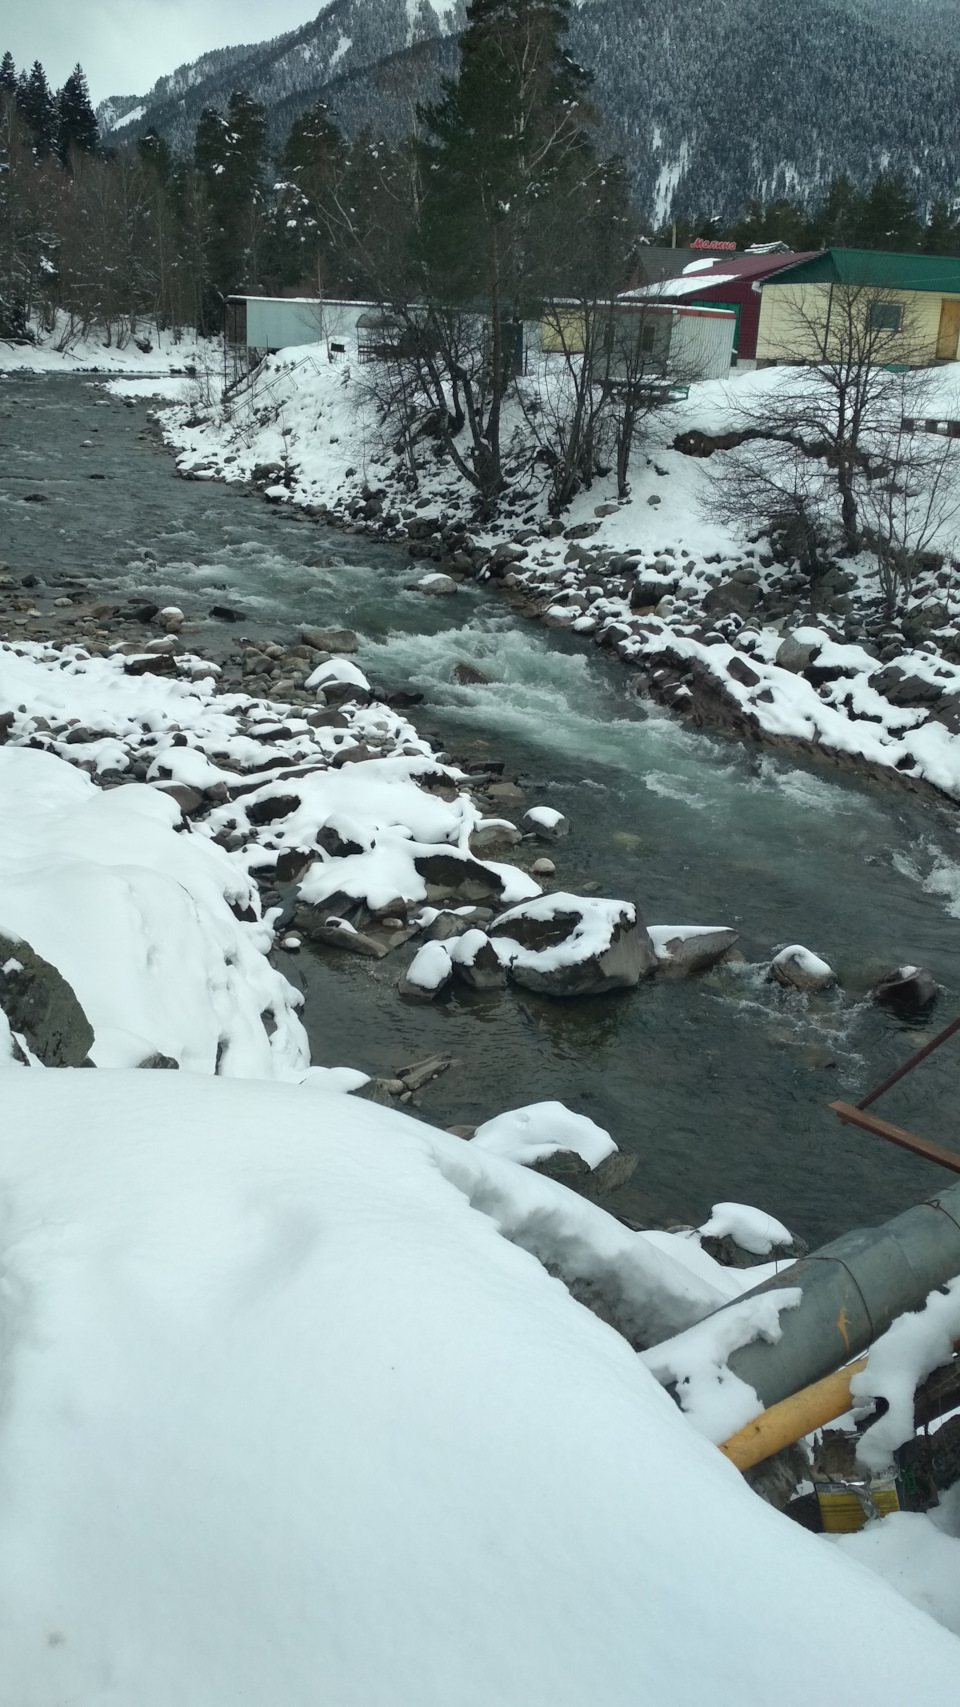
x: 287, y: 1420
x: 541, y: 1129
x: 138, y: 919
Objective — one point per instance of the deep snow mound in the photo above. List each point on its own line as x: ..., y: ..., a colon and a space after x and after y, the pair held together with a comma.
x: 287, y: 1419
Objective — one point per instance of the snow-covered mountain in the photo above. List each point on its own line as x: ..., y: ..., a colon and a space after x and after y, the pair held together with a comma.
x: 709, y: 104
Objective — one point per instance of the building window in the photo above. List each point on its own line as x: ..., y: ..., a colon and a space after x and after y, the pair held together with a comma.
x: 886, y: 316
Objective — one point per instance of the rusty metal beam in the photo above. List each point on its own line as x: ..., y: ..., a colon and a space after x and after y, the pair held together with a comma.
x: 914, y: 1061
x: 853, y: 1116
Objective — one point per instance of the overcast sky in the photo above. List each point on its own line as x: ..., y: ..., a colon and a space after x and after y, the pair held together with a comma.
x: 125, y: 45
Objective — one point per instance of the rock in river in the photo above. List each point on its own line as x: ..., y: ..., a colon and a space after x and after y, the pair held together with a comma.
x: 682, y: 949
x: 906, y: 988
x: 429, y: 971
x: 571, y: 945
x: 797, y: 967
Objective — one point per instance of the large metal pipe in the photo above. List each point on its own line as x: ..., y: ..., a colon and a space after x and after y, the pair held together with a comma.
x: 852, y: 1290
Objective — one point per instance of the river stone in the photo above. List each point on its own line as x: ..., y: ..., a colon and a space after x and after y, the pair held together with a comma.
x: 732, y: 597
x: 729, y: 1254
x: 546, y: 823
x: 446, y: 874
x: 800, y: 969
x: 906, y: 989
x: 438, y: 584
x: 569, y: 1168
x: 483, y: 970
x: 796, y: 655
x: 902, y: 689
x: 382, y: 1091
x: 469, y: 676
x: 41, y: 1005
x: 330, y: 639
x: 684, y: 949
x: 333, y: 935
x: 627, y: 957
x: 494, y: 834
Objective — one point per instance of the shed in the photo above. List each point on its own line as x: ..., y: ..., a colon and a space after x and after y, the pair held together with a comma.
x: 262, y: 324
x: 677, y: 342
x: 726, y: 281
x: 913, y: 300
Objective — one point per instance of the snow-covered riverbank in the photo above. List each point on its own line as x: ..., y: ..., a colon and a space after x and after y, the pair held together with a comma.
x: 293, y: 1266
x: 714, y: 629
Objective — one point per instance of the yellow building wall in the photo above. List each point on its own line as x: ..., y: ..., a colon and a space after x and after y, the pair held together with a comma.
x: 563, y: 330
x: 793, y: 317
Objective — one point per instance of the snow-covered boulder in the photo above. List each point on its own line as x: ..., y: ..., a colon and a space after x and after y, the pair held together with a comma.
x: 476, y: 961
x: 429, y: 971
x: 40, y: 1006
x: 141, y: 921
x: 683, y: 949
x: 799, y: 969
x: 566, y: 1147
x: 572, y: 945
x: 339, y: 679
x: 740, y: 1236
x: 547, y: 824
x: 292, y: 1413
x: 539, y: 1130
x: 438, y: 584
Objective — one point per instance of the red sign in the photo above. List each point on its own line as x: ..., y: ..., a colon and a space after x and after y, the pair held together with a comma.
x: 711, y: 243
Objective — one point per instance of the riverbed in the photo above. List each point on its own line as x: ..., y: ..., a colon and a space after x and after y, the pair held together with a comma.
x: 720, y: 1084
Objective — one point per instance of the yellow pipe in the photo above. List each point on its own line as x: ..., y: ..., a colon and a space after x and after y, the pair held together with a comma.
x: 787, y: 1421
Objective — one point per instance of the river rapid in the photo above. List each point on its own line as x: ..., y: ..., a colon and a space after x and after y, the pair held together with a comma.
x: 721, y: 1084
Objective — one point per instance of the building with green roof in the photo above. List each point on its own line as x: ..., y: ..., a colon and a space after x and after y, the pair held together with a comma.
x: 900, y: 310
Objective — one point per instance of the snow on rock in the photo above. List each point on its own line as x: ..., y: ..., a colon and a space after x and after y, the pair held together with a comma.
x: 798, y: 967
x: 752, y: 1229
x: 546, y: 823
x: 339, y: 672
x: 287, y: 1418
x: 912, y: 1347
x: 570, y: 945
x: 717, y: 1401
x: 430, y: 969
x: 682, y: 949
x: 540, y: 1129
x: 138, y: 919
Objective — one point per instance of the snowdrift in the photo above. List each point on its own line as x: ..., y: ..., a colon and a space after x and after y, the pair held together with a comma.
x: 287, y: 1419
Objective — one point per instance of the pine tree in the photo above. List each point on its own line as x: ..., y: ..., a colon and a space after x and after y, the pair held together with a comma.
x: 229, y: 152
x: 8, y: 78
x: 38, y: 109
x: 941, y: 235
x: 837, y: 224
x: 889, y: 218
x: 77, y: 131
x: 311, y: 219
x: 507, y: 138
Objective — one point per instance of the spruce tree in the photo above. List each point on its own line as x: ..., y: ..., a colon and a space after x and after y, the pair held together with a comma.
x: 504, y: 141
x: 38, y: 109
x: 229, y: 153
x: 888, y: 218
x: 77, y: 131
x: 310, y: 218
x: 8, y: 77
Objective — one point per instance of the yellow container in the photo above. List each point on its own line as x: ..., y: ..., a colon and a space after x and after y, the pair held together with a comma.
x: 844, y: 1506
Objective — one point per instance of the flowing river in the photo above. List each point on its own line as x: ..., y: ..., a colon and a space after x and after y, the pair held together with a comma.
x: 721, y: 1083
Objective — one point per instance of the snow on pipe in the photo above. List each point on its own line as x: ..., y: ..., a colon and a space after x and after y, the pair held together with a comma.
x: 852, y: 1289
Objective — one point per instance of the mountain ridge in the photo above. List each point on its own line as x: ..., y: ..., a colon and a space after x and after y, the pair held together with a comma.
x: 708, y: 104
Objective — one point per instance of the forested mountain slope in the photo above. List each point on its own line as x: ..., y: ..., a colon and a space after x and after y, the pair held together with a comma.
x: 708, y: 103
